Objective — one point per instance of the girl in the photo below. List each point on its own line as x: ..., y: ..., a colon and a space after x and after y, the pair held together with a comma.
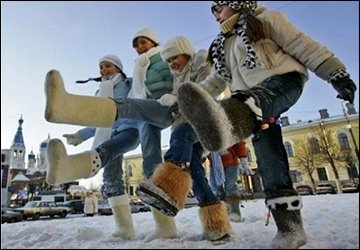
x: 171, y: 180
x: 152, y: 78
x: 264, y: 60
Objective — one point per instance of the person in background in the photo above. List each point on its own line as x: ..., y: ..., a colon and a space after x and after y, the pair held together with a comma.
x: 224, y: 169
x: 183, y: 160
x: 264, y: 59
x: 90, y: 204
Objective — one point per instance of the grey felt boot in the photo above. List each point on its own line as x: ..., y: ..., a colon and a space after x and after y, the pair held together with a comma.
x: 291, y: 234
x: 286, y: 213
x: 233, y: 202
x: 218, y: 125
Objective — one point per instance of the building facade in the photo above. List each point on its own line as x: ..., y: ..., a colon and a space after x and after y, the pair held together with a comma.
x: 340, y: 132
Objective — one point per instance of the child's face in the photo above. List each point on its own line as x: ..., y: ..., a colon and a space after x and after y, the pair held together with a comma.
x: 177, y: 63
x: 143, y: 45
x: 223, y: 12
x: 107, y: 69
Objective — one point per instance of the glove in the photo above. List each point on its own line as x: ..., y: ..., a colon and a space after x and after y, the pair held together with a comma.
x: 244, y: 167
x: 73, y: 139
x: 345, y: 87
x: 167, y: 100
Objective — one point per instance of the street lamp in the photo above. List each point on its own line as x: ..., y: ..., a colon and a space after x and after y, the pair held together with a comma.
x: 348, y: 126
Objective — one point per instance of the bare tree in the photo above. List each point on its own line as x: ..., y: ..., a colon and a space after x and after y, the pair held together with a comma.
x: 306, y: 158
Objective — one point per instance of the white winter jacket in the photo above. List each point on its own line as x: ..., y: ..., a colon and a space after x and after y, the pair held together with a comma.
x: 284, y: 50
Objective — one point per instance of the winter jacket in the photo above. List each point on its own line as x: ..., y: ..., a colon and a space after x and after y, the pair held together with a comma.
x: 91, y: 205
x: 121, y: 90
x: 159, y: 80
x: 234, y: 153
x: 284, y: 50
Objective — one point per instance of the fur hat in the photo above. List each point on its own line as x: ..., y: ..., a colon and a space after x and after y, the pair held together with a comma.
x: 147, y: 33
x: 114, y: 60
x: 235, y: 5
x: 177, y: 46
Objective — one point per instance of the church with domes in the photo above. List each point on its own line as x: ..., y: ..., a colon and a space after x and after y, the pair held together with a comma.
x: 19, y: 181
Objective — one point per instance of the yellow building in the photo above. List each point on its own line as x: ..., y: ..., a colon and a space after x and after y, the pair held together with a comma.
x: 344, y: 133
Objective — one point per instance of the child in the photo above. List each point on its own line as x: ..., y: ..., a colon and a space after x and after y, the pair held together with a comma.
x: 152, y: 78
x: 171, y: 179
x: 107, y: 150
x: 228, y: 164
x: 264, y: 60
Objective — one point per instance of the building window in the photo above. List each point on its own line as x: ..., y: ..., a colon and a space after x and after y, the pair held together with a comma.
x: 131, y: 190
x: 343, y: 141
x: 322, y: 174
x: 314, y: 145
x: 130, y: 170
x: 289, y: 149
x: 295, y: 176
x: 249, y: 157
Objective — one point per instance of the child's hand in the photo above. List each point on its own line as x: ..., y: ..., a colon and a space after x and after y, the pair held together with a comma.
x: 167, y: 100
x: 346, y: 88
x: 73, y: 139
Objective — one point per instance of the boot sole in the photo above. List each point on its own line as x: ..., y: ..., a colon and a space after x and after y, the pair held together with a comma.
x: 153, y: 196
x: 205, y: 115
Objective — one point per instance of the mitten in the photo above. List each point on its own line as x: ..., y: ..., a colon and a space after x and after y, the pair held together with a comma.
x: 244, y: 167
x: 345, y: 87
x: 73, y: 139
x: 167, y: 100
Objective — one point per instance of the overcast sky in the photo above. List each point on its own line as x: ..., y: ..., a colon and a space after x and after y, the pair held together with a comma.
x: 72, y: 36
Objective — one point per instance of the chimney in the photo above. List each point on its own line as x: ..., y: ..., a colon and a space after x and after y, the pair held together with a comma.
x: 285, y: 121
x: 350, y: 109
x: 323, y: 113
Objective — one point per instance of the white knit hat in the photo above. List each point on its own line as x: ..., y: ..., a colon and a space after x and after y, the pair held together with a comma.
x: 114, y: 60
x: 147, y: 33
x: 177, y: 46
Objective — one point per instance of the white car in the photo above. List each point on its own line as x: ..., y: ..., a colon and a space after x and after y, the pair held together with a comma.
x: 35, y: 209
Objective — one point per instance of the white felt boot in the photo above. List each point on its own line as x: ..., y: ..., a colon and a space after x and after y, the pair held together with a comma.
x: 65, y: 168
x: 165, y: 226
x: 62, y: 107
x: 122, y: 215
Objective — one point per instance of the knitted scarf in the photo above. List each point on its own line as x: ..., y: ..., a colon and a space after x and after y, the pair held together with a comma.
x: 106, y: 89
x: 238, y: 26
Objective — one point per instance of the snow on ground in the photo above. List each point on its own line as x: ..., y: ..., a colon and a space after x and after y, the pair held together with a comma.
x: 331, y: 222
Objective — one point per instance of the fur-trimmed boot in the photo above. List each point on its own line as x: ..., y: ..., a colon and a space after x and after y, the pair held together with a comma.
x: 286, y: 213
x: 64, y: 168
x: 233, y: 202
x: 168, y: 188
x: 62, y: 107
x: 217, y: 124
x: 215, y: 222
x: 122, y: 215
x: 165, y: 226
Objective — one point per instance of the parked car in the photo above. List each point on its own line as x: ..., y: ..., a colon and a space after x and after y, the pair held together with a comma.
x: 304, y: 189
x: 76, y: 206
x: 349, y: 186
x: 35, y: 209
x: 139, y: 206
x: 325, y: 188
x: 10, y: 216
x: 104, y: 207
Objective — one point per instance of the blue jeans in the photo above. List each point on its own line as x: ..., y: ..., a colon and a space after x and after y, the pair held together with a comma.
x: 230, y: 186
x: 150, y: 140
x: 111, y: 155
x: 186, y: 148
x: 145, y: 110
x: 281, y: 93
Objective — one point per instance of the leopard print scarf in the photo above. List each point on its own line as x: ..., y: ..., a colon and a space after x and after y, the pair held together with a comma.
x: 217, y: 47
